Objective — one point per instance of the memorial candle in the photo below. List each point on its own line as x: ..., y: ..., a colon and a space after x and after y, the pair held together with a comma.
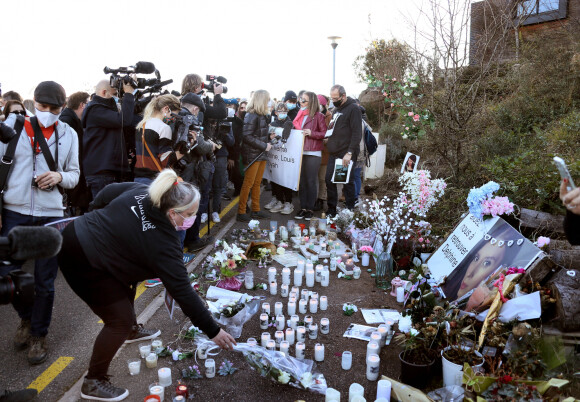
x: 252, y: 342
x: 298, y: 274
x: 313, y: 331
x: 309, y: 265
x: 310, y: 277
x: 263, y: 321
x: 372, y: 348
x: 249, y: 280
x: 295, y: 289
x: 278, y: 306
x: 305, y: 294
x: 279, y: 337
x: 318, y: 273
x: 151, y: 360
x: 349, y: 264
x: 384, y: 390
x: 324, y: 326
x: 325, y: 279
x: 271, y: 274
x: 134, y: 366
x: 302, y: 306
x: 376, y: 337
x: 355, y: 390
x: 144, y: 349
x: 300, y: 349
x: 290, y: 336
x: 266, y: 308
x: 273, y: 288
x: 272, y: 236
x: 319, y: 352
x: 346, y: 360
x: 265, y: 338
x: 271, y: 344
x: 332, y: 395
x: 280, y: 320
x: 323, y: 303
x: 294, y: 321
x: 284, y: 346
x: 291, y: 308
x: 286, y: 276
x: 164, y: 375
x: 157, y: 389
x: 284, y: 290
x: 314, y: 306
x: 314, y: 295
x: 384, y: 331
x: 356, y: 272
x: 308, y: 320
x: 300, y: 265
x: 400, y: 294
x: 373, y: 362
x: 300, y: 334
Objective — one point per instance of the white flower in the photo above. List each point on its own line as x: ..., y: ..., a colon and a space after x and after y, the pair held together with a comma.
x: 306, y: 380
x: 284, y: 377
x: 340, y: 274
x: 280, y: 250
x: 414, y: 332
x: 405, y: 324
x: 254, y: 224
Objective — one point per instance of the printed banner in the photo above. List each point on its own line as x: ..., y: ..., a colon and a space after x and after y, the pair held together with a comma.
x: 284, y: 161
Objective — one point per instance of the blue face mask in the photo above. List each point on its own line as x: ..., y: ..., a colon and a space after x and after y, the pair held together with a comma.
x: 303, y: 108
x: 291, y: 106
x: 282, y: 116
x: 116, y: 99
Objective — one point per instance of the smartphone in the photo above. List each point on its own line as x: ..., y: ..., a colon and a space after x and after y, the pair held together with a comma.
x: 564, y: 173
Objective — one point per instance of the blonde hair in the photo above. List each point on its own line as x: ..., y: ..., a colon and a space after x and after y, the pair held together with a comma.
x: 166, y: 192
x: 156, y: 105
x: 259, y: 103
x: 189, y: 83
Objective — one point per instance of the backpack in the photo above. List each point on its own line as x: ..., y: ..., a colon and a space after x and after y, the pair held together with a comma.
x: 370, y: 140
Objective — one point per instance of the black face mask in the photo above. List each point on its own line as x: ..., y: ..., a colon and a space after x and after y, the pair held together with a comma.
x: 242, y: 115
x: 337, y: 103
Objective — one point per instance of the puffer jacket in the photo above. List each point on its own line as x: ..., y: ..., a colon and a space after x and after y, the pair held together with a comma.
x: 255, y: 137
x: 317, y: 127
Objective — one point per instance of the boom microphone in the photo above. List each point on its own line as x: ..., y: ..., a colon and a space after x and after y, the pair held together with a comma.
x: 221, y: 79
x: 30, y: 242
x: 144, y: 67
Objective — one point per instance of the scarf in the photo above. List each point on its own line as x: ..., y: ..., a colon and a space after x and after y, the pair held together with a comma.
x: 298, y: 120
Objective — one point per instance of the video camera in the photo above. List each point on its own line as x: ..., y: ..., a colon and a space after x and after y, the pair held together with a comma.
x: 187, y: 123
x: 212, y: 79
x: 122, y: 75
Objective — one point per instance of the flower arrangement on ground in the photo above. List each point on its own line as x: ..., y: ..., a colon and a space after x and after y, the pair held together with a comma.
x: 482, y: 204
x: 349, y: 309
x: 230, y: 260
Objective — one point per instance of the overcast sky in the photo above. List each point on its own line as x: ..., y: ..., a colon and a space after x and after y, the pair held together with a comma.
x: 255, y: 44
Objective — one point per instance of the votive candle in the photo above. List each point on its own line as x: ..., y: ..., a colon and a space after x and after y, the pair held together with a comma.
x: 298, y: 274
x: 144, y: 349
x: 384, y: 331
x: 324, y: 326
x: 280, y: 322
x: 266, y: 308
x: 325, y: 279
x: 271, y: 344
x: 300, y: 264
x: 157, y: 389
x: 313, y: 306
x: 300, y: 334
x: 372, y: 348
x: 249, y: 280
x: 286, y: 276
x: 263, y: 321
x: 279, y: 337
x: 271, y: 274
x: 151, y: 360
x: 400, y: 294
x: 313, y: 331
x: 310, y: 277
x: 278, y: 308
x: 331, y: 395
x: 284, y: 346
x: 376, y: 337
x: 346, y: 360
x: 265, y: 338
x: 302, y: 306
x: 294, y: 321
x: 290, y: 336
x: 384, y: 389
x: 323, y: 303
x: 356, y: 272
x: 291, y: 308
x: 308, y: 320
x: 305, y: 294
x: 273, y: 288
x: 164, y: 375
x: 355, y: 389
x: 319, y: 352
x: 318, y: 272
x: 300, y: 349
x: 373, y: 362
x: 284, y: 290
x: 252, y: 342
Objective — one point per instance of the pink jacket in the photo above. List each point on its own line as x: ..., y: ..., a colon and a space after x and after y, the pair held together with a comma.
x: 317, y: 126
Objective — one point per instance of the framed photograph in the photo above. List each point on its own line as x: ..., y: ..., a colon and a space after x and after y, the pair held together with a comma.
x: 410, y: 164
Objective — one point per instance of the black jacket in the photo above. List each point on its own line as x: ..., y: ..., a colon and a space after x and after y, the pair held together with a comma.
x: 255, y: 137
x: 238, y: 130
x: 70, y: 117
x: 103, y: 139
x: 347, y: 132
x: 132, y: 240
x: 572, y: 228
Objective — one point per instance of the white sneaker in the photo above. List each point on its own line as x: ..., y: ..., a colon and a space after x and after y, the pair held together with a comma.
x: 288, y: 209
x: 203, y: 218
x: 271, y: 204
x: 278, y: 207
x: 215, y: 217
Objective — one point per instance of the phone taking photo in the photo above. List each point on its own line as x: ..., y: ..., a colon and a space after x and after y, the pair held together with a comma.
x: 564, y: 173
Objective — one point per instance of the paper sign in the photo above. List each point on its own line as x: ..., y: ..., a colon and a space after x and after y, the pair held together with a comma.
x: 285, y: 161
x: 341, y: 173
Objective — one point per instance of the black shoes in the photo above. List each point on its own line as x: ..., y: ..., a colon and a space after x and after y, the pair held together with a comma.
x: 139, y: 334
x: 330, y: 213
x: 38, y: 351
x: 300, y: 214
x: 18, y: 396
x: 243, y: 217
x: 102, y: 390
x: 260, y: 214
x: 199, y: 244
x: 308, y: 215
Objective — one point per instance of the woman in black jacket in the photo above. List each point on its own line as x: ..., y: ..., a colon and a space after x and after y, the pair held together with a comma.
x: 132, y: 236
x: 256, y: 144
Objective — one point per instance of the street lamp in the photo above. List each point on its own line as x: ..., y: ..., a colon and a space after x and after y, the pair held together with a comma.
x: 334, y: 44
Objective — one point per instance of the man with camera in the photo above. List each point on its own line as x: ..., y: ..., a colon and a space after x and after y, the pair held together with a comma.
x: 105, y: 158
x: 32, y: 197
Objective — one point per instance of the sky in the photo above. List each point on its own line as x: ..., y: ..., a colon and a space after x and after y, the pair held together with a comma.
x: 273, y: 45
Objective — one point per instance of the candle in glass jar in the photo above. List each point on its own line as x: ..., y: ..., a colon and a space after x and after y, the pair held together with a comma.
x: 164, y: 375
x: 279, y: 337
x: 344, y: 257
x: 144, y: 349
x: 309, y: 265
x: 290, y: 337
x: 325, y: 279
x: 400, y: 294
x: 294, y: 321
x: 201, y: 352
x: 263, y: 321
x: 296, y: 290
x: 300, y: 334
x: 305, y: 294
x: 372, y: 348
x: 310, y: 277
x: 376, y: 337
x: 284, y: 346
x: 373, y: 362
x: 271, y: 274
x: 313, y: 331
x: 272, y: 236
x: 324, y: 326
x: 333, y: 263
x: 280, y: 322
x: 300, y: 265
x: 331, y: 395
x: 273, y: 288
x: 319, y: 352
x: 210, y: 368
x: 308, y: 320
x: 249, y: 280
x: 156, y: 344
x: 323, y: 303
x: 278, y: 306
x: 355, y: 390
x: 286, y: 276
x: 318, y: 273
x: 356, y: 272
x: 283, y: 233
x: 291, y: 308
x: 151, y: 360
x: 134, y: 366
x: 384, y: 390
x: 346, y: 360
x: 384, y: 331
x: 271, y: 344
x: 265, y: 338
x: 302, y: 306
x: 266, y: 308
x: 314, y: 295
x: 181, y: 390
x: 349, y: 264
x: 252, y: 342
x: 298, y: 277
x: 313, y: 306
x: 284, y: 290
x: 157, y: 389
x: 300, y: 349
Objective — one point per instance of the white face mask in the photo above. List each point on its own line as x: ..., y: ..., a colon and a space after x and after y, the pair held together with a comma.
x: 47, y: 119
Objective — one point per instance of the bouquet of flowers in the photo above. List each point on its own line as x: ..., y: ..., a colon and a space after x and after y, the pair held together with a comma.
x: 389, y: 221
x: 234, y: 314
x: 420, y: 192
x: 366, y: 249
x: 343, y: 219
x: 230, y: 260
x: 482, y: 204
x: 254, y: 224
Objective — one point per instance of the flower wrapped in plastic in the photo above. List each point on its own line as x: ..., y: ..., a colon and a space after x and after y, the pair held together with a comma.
x: 234, y: 315
x: 277, y: 366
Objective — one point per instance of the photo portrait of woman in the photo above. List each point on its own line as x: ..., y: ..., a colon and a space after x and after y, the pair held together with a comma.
x: 497, y: 250
x: 410, y: 163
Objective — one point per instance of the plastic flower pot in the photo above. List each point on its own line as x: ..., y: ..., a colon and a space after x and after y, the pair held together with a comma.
x: 416, y: 375
x: 452, y: 372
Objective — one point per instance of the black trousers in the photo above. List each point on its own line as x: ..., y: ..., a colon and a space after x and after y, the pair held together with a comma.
x: 348, y: 188
x: 107, y: 297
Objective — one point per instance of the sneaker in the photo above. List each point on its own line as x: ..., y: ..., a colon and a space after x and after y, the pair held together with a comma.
x: 18, y: 396
x: 288, y: 208
x: 330, y: 213
x: 102, y: 390
x: 308, y: 215
x: 139, y: 333
x: 215, y: 217
x: 187, y: 258
x: 199, y: 244
x: 271, y: 204
x: 203, y: 218
x: 277, y: 208
x: 22, y: 336
x: 260, y: 214
x: 151, y: 283
x: 300, y: 214
x: 38, y: 351
x: 243, y: 218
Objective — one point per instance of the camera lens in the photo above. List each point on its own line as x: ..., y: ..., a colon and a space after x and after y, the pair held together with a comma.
x: 6, y: 290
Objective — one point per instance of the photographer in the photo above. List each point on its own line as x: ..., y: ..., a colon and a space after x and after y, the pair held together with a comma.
x: 218, y: 111
x: 220, y: 176
x: 105, y: 157
x: 234, y: 151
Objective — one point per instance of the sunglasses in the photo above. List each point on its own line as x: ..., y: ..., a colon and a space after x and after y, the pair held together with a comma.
x: 303, y: 101
x: 22, y: 112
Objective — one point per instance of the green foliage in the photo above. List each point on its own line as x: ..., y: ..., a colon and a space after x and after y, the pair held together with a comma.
x: 383, y: 58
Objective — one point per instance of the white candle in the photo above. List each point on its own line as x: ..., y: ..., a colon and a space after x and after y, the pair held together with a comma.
x: 151, y: 360
x: 266, y: 308
x: 346, y: 360
x: 210, y: 368
x: 134, y: 366
x: 272, y: 236
x: 365, y: 259
x: 384, y: 331
x: 359, y: 398
x: 305, y: 294
x: 278, y: 308
x: 164, y: 375
x: 291, y: 308
x: 314, y: 295
x: 372, y: 348
x: 286, y: 276
x: 280, y: 322
x: 324, y: 326
x: 265, y: 338
x: 313, y: 331
x: 355, y: 389
x: 300, y: 264
x: 300, y: 348
x: 400, y: 294
x: 298, y: 277
x: 302, y: 306
x: 156, y: 344
x: 284, y: 290
x: 319, y: 352
x: 373, y: 362
x: 279, y: 337
x: 252, y: 342
x: 309, y: 265
x: 300, y: 334
x: 376, y: 337
x: 318, y: 271
x: 294, y: 321
x: 271, y: 274
x: 332, y: 395
x: 284, y: 346
x: 156, y: 389
x: 308, y: 320
x: 201, y: 352
x: 296, y: 290
x: 290, y: 336
x: 384, y: 390
x: 263, y: 321
x: 310, y: 277
x: 273, y: 288
x: 283, y: 233
x: 314, y: 306
x: 325, y: 281
x: 271, y: 344
x: 333, y: 263
x: 144, y: 349
x: 323, y: 303
x: 356, y: 272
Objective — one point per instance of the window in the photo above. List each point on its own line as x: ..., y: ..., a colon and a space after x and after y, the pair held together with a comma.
x: 537, y: 11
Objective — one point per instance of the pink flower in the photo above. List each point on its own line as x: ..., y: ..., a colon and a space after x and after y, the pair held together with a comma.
x: 420, y: 240
x: 416, y: 117
x: 542, y: 241
x: 231, y: 264
x: 392, y: 104
x: 394, y: 79
x: 410, y: 114
x: 406, y: 128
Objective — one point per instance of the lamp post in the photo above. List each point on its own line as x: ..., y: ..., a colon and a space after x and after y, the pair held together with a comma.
x: 334, y: 44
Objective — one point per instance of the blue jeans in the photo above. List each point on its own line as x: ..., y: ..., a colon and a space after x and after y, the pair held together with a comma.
x: 39, y: 312
x: 97, y: 182
x: 357, y: 172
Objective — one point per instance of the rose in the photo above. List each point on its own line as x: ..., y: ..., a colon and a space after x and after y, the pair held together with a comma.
x: 410, y: 114
x: 416, y: 117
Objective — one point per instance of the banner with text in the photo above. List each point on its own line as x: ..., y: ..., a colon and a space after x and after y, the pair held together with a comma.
x: 284, y: 161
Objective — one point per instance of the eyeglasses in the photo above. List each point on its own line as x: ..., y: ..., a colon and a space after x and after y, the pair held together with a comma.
x: 303, y: 101
x: 22, y: 112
